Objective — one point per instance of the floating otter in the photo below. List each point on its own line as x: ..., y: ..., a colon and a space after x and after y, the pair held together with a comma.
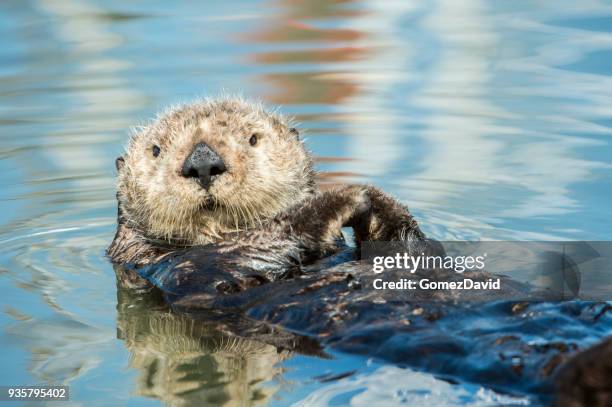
x: 231, y: 174
x: 218, y: 209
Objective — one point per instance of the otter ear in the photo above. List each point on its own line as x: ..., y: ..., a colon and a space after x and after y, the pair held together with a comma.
x: 119, y: 163
x: 295, y: 132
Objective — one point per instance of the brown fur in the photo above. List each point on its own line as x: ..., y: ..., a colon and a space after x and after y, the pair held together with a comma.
x: 261, y: 221
x: 161, y: 210
x: 265, y: 202
x: 261, y: 181
x: 586, y: 380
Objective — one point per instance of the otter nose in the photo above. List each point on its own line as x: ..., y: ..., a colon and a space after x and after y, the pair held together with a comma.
x: 204, y: 164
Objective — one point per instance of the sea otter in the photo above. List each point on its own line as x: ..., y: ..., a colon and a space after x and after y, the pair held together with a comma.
x: 229, y: 173
x: 218, y: 209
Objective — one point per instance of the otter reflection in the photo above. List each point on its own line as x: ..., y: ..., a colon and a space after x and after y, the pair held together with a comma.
x: 187, y: 361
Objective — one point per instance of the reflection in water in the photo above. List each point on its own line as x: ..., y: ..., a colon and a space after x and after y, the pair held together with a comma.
x: 310, y: 84
x: 184, y: 362
x: 391, y: 386
x: 321, y: 52
x: 457, y: 123
x: 490, y: 119
x: 477, y: 137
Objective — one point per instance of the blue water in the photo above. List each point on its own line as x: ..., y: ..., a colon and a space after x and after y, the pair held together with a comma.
x: 490, y: 119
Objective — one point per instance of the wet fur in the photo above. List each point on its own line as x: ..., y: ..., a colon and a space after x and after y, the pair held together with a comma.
x: 219, y: 249
x: 160, y: 205
x: 586, y: 380
x: 265, y: 207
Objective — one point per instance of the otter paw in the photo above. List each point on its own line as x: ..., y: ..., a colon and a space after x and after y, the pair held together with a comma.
x: 363, y: 201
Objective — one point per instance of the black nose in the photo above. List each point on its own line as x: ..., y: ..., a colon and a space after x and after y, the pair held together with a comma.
x: 204, y: 164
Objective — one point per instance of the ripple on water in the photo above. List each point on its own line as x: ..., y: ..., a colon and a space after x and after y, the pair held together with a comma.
x: 393, y: 386
x: 491, y: 120
x: 53, y: 308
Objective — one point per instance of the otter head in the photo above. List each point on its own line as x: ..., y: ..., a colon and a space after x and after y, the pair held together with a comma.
x: 209, y: 168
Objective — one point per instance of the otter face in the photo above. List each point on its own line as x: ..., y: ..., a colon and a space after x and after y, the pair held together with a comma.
x: 210, y: 168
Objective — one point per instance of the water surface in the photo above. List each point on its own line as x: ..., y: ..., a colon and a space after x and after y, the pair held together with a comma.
x: 490, y: 119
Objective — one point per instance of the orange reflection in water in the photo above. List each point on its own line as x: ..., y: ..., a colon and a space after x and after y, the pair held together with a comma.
x: 306, y: 22
x: 311, y: 52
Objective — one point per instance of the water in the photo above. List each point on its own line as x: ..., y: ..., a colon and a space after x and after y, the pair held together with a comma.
x: 491, y: 120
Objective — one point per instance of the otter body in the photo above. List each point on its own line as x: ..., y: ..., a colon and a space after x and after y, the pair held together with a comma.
x: 219, y: 211
x: 237, y: 182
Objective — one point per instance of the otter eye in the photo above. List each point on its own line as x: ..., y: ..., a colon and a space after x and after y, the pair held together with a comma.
x: 156, y: 150
x: 253, y: 140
